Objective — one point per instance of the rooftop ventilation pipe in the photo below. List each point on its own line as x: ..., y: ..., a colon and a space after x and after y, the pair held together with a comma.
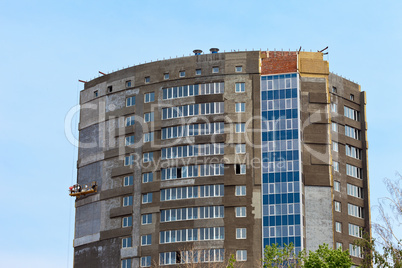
x: 197, y: 51
x: 214, y: 50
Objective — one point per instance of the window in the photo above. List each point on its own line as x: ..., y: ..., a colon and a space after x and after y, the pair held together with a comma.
x: 128, y: 180
x: 215, y: 70
x: 241, y: 190
x: 126, y: 263
x: 352, y: 97
x: 193, y: 90
x: 355, y: 191
x: 148, y: 157
x: 147, y: 177
x: 240, y: 212
x: 146, y: 240
x: 212, y: 190
x: 198, y: 72
x: 148, y: 137
x: 147, y: 79
x: 354, y: 171
x: 238, y: 69
x: 338, y: 227
x: 240, y: 107
x: 130, y: 101
x: 190, y: 192
x: 128, y: 83
x: 193, y: 150
x: 338, y: 245
x: 182, y: 73
x: 192, y: 213
x: 149, y: 97
x: 130, y: 120
x: 353, y: 151
x: 146, y: 261
x: 193, y: 130
x: 126, y: 242
x: 241, y: 255
x: 355, y: 251
x: 196, y: 234
x: 240, y: 148
x: 240, y: 87
x: 149, y: 117
x: 240, y: 127
x: 240, y: 169
x: 193, y: 109
x: 337, y: 186
x: 241, y: 233
x: 127, y: 201
x: 166, y: 258
x: 166, y: 76
x: 352, y: 132
x: 127, y: 221
x: 147, y: 198
x: 335, y: 165
x: 110, y: 89
x: 129, y: 140
x: 334, y: 127
x: 335, y: 146
x: 96, y: 93
x: 146, y: 219
x: 351, y: 113
x: 334, y: 90
x: 355, y: 211
x: 129, y: 160
x: 210, y: 170
x: 355, y: 230
x: 192, y: 171
x: 334, y: 107
x: 337, y: 206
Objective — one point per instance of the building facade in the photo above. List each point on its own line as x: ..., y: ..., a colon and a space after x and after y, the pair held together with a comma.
x: 201, y: 157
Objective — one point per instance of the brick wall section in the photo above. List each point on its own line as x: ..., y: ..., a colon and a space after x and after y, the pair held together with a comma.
x: 277, y: 62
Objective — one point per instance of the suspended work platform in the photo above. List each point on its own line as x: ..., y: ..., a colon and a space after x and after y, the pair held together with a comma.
x: 78, y: 190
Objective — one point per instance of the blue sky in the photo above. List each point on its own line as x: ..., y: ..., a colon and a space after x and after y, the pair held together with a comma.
x: 46, y: 46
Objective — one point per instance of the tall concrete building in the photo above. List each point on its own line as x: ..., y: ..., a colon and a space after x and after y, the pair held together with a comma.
x: 201, y: 157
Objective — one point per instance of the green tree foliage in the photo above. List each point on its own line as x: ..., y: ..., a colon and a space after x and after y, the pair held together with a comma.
x: 386, y: 257
x: 386, y: 250
x: 390, y: 257
x: 231, y: 261
x: 275, y: 256
x: 327, y: 258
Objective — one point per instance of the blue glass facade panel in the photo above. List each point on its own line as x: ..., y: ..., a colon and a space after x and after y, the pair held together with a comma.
x: 280, y: 160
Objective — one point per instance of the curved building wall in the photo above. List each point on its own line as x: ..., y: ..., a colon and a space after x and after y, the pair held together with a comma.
x: 188, y: 157
x: 200, y: 183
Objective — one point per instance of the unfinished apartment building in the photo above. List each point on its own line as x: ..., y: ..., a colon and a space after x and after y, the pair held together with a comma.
x: 193, y: 159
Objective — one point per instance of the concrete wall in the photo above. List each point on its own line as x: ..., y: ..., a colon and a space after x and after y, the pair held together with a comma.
x: 103, y: 254
x: 102, y: 127
x: 344, y: 89
x: 318, y: 213
x: 87, y: 220
x: 102, y: 132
